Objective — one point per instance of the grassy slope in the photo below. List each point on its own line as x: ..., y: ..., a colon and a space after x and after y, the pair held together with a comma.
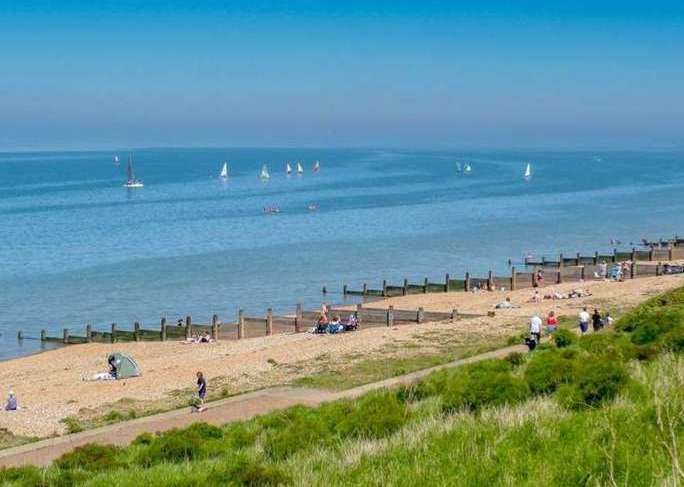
x: 606, y: 410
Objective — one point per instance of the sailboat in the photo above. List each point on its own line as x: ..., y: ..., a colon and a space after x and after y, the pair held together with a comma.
x: 467, y: 169
x: 132, y: 182
x: 288, y: 168
x: 224, y: 171
x: 116, y: 160
x: 528, y: 172
x: 300, y: 169
x: 264, y: 173
x: 458, y: 167
x: 316, y: 166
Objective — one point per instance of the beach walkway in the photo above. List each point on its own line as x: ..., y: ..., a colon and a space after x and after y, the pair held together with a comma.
x: 237, y: 408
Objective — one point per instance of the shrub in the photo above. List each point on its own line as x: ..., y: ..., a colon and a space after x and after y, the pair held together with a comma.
x: 375, y: 415
x: 596, y: 380
x: 91, y: 457
x: 564, y: 338
x: 292, y: 430
x: 144, y: 439
x: 547, y: 370
x: 674, y: 339
x: 241, y: 470
x: 113, y: 416
x: 515, y: 359
x: 177, y: 445
x: 72, y: 424
x: 486, y: 383
x: 28, y: 476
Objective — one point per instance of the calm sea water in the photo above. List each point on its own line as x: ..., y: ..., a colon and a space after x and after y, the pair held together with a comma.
x: 76, y: 247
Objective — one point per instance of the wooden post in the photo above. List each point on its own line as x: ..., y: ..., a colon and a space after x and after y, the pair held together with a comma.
x: 357, y: 313
x: 425, y: 286
x: 404, y: 291
x: 65, y: 338
x: 582, y: 273
x: 467, y: 282
x: 534, y: 277
x: 324, y: 290
x: 43, y: 335
x: 365, y: 289
x: 390, y: 316
x: 20, y: 335
x: 670, y: 253
x: 136, y: 331
x: 490, y: 281
x: 633, y: 254
x: 578, y: 259
x: 299, y: 317
x: 633, y: 270
x: 113, y: 337
x: 513, y: 278
x: 651, y: 254
x: 214, y: 327
x: 559, y: 278
x: 543, y: 261
x: 454, y: 314
x: 188, y: 327
x: 89, y: 333
x: 269, y: 322
x: 446, y: 283
x: 596, y: 254
x: 162, y: 328
x: 614, y: 256
x: 384, y: 288
x: 561, y: 261
x: 659, y: 269
x: 241, y: 324
x: 344, y: 290
x: 420, y: 315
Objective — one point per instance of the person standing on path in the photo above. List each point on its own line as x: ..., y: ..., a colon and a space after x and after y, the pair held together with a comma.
x: 596, y: 320
x: 584, y: 320
x: 201, y: 391
x: 551, y: 322
x: 535, y: 328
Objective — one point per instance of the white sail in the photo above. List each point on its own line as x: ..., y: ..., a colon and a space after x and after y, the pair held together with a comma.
x: 224, y: 171
x: 467, y: 169
x: 288, y: 168
x: 132, y: 182
x: 528, y: 171
x: 316, y: 166
x: 116, y: 160
x: 264, y: 172
x: 300, y: 169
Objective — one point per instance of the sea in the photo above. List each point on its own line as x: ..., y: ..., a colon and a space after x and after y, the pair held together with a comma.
x: 77, y: 247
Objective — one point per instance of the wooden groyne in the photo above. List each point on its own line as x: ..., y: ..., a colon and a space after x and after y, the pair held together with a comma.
x: 576, y: 268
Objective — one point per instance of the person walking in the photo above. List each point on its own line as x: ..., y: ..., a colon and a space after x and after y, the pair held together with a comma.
x: 535, y: 328
x: 201, y: 391
x: 584, y: 320
x: 551, y: 322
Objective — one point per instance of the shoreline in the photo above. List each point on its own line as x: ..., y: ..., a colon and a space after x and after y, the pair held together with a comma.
x: 49, y: 385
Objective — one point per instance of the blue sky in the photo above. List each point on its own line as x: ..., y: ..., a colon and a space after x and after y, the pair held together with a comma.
x: 79, y: 74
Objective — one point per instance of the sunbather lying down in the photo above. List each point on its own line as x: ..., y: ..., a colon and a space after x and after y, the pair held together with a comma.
x: 575, y: 293
x: 204, y: 338
x: 507, y: 304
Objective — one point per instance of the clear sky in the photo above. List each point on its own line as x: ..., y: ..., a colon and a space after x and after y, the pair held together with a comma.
x: 90, y: 74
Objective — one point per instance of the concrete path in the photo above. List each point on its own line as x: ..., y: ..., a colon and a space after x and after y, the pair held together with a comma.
x: 238, y: 408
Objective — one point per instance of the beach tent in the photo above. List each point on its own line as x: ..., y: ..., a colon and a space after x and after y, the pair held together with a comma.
x: 125, y: 365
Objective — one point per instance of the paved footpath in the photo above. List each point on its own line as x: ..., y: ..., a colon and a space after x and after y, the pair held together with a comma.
x: 238, y: 408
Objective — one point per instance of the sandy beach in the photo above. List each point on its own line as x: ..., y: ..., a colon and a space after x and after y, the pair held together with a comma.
x: 50, y: 386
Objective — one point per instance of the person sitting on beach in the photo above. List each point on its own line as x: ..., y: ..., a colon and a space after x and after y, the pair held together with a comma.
x: 111, y: 374
x: 608, y: 320
x: 536, y: 298
x: 195, y: 338
x: 205, y: 338
x: 616, y: 272
x: 506, y: 304
x: 352, y: 323
x: 11, y: 404
x: 335, y: 326
x: 322, y: 323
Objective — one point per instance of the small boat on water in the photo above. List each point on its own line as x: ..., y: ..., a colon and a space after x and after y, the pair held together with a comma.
x: 467, y: 169
x: 300, y: 169
x: 116, y: 160
x: 264, y: 174
x: 132, y: 182
x: 316, y: 166
x: 528, y: 172
x: 271, y: 210
x: 313, y: 207
x: 224, y: 171
x: 288, y: 169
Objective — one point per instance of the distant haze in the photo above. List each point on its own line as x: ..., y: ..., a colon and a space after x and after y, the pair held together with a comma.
x: 445, y: 74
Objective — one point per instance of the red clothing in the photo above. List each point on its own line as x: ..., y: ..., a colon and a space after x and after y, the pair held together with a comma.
x: 552, y: 321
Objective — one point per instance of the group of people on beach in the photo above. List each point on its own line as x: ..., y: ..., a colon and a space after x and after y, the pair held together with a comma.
x: 335, y: 325
x: 597, y: 320
x: 197, y: 338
